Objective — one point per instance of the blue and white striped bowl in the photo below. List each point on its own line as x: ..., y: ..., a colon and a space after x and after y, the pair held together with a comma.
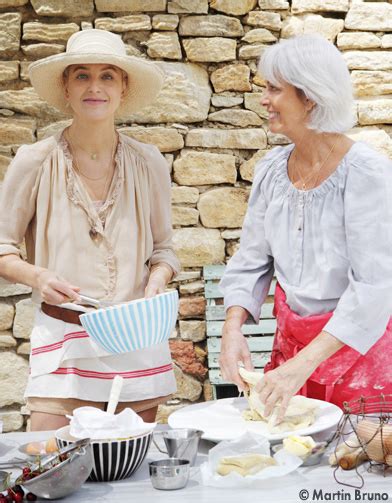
x: 133, y: 325
x: 115, y: 459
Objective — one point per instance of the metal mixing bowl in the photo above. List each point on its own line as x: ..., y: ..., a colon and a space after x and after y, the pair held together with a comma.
x: 64, y: 478
x: 169, y: 474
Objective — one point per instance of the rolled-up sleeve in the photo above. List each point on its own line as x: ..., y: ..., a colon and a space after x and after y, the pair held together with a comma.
x: 161, y: 222
x: 249, y: 272
x: 18, y: 199
x: 364, y: 309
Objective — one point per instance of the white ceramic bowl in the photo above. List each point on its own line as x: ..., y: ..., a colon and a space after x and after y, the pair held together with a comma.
x: 113, y: 459
x: 133, y: 325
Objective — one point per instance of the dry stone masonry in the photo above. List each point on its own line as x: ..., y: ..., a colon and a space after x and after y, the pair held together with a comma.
x: 208, y: 121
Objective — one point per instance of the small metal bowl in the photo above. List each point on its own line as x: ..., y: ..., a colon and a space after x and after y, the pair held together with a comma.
x: 313, y: 458
x: 169, y: 474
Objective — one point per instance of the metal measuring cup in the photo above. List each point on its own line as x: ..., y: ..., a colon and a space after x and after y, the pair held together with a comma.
x: 180, y: 443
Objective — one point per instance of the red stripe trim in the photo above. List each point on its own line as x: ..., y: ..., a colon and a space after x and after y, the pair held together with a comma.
x: 110, y: 375
x: 58, y: 345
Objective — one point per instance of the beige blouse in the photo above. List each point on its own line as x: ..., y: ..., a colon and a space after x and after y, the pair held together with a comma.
x: 107, y: 251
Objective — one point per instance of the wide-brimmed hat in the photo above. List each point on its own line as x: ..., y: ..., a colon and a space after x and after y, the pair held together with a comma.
x: 145, y: 79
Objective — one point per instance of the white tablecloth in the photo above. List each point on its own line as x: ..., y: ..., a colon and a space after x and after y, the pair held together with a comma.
x: 306, y: 484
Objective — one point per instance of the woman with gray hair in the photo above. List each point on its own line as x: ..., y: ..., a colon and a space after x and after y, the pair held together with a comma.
x: 319, y: 216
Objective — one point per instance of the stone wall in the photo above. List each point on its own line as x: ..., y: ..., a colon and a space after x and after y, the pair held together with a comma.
x: 208, y: 122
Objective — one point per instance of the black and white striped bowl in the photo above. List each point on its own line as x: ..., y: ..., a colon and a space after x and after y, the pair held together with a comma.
x: 115, y: 459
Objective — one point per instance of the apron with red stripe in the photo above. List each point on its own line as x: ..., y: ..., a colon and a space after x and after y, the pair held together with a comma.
x: 66, y: 363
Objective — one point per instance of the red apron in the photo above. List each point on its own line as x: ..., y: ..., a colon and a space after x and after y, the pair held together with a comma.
x: 347, y: 374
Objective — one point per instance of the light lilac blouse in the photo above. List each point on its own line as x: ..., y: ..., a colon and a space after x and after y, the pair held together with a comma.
x: 330, y: 247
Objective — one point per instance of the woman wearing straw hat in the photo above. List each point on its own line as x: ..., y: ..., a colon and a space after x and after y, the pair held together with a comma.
x: 320, y: 217
x: 93, y: 206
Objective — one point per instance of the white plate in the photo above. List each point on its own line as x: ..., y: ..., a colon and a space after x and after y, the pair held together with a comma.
x: 6, y: 446
x: 222, y: 420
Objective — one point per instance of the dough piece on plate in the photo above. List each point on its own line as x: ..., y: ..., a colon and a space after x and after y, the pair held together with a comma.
x: 300, y: 413
x: 300, y: 416
x: 251, y: 415
x: 246, y: 464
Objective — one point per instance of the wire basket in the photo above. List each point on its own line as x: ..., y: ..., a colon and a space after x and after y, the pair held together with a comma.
x: 366, y: 429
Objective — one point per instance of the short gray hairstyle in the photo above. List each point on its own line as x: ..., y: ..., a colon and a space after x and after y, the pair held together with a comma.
x: 317, y: 68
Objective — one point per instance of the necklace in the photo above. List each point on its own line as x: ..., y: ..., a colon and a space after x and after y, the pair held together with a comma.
x: 77, y: 169
x: 76, y: 164
x: 93, y: 155
x: 304, y: 181
x: 106, y: 175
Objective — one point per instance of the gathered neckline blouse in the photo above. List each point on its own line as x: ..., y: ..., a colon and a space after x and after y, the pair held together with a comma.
x: 329, y: 247
x: 76, y: 189
x: 325, y: 184
x: 107, y: 251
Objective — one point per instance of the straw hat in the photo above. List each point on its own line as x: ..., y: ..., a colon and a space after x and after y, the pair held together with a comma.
x: 145, y: 79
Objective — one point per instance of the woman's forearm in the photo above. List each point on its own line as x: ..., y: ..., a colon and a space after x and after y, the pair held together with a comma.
x: 160, y: 275
x: 16, y: 270
x: 163, y: 271
x: 322, y: 347
x: 281, y: 383
x: 236, y: 315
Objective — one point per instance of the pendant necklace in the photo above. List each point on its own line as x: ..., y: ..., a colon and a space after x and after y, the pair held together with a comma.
x: 93, y: 230
x: 304, y: 181
x: 93, y: 155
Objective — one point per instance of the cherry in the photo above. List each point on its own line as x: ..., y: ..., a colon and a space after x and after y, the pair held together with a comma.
x: 11, y: 494
x: 26, y: 471
x: 31, y: 497
x: 18, y: 497
x: 18, y: 489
